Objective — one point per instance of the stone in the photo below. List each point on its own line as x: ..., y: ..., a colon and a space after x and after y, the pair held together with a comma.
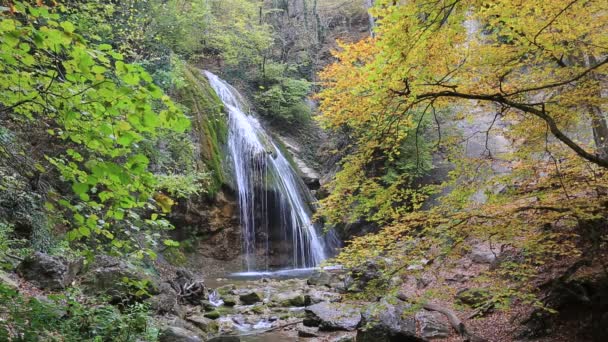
x: 165, y: 301
x: 316, y: 296
x: 250, y: 298
x: 49, y: 272
x: 106, y: 275
x: 226, y: 289
x: 344, y: 338
x: 229, y: 300
x: 384, y: 322
x: 207, y: 325
x: 473, y: 297
x: 333, y: 316
x: 432, y: 324
x: 291, y: 298
x: 304, y: 331
x: 8, y: 281
x: 207, y: 306
x: 483, y: 254
x: 177, y: 334
x: 212, y: 314
x: 225, y: 339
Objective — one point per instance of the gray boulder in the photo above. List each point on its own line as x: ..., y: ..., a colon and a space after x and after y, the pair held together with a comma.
x: 483, y: 254
x: 385, y: 322
x: 109, y: 276
x: 49, y: 272
x: 8, y: 281
x: 205, y: 324
x: 249, y: 298
x: 333, y: 316
x: 291, y: 298
x: 316, y: 296
x: 432, y: 324
x: 177, y: 334
x: 165, y: 301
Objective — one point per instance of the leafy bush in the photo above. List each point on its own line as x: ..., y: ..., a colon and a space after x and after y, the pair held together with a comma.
x: 67, y: 318
x: 281, y: 96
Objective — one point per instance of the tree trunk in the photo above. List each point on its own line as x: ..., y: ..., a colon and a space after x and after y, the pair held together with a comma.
x: 598, y: 117
x: 372, y: 21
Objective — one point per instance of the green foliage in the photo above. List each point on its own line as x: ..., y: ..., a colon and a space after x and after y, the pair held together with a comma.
x: 282, y: 97
x: 94, y: 102
x: 69, y: 318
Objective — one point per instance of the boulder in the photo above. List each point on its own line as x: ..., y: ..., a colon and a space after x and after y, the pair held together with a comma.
x: 432, y: 324
x: 6, y: 280
x: 316, y: 296
x: 49, y: 272
x: 291, y: 298
x: 212, y: 314
x: 177, y: 334
x: 225, y: 339
x: 333, y: 316
x: 473, y: 297
x: 483, y: 254
x: 107, y: 275
x: 304, y: 331
x: 250, y: 297
x: 385, y: 322
x: 165, y: 301
x: 207, y: 325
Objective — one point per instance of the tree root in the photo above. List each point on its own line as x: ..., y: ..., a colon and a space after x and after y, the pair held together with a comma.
x: 455, y: 322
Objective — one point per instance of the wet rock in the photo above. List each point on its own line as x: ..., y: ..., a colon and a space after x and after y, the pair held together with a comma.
x: 207, y: 306
x: 229, y: 300
x: 250, y: 298
x: 316, y: 296
x: 225, y: 339
x: 207, y: 325
x: 49, y: 272
x: 165, y: 301
x: 304, y: 331
x: 177, y: 334
x: 321, y: 279
x: 212, y: 314
x: 359, y: 278
x: 226, y: 290
x: 291, y: 298
x: 473, y: 297
x: 432, y: 324
x: 384, y: 322
x: 106, y: 276
x: 333, y: 316
x: 344, y: 339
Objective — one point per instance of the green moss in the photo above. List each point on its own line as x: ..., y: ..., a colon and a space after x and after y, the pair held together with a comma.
x: 209, y: 123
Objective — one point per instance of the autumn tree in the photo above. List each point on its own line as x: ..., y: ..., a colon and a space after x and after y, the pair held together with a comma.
x: 531, y: 65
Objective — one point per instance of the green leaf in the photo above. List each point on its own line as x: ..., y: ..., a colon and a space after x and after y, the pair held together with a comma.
x: 80, y: 188
x: 171, y: 243
x: 67, y: 26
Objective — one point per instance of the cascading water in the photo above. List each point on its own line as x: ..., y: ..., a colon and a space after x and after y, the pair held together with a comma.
x: 267, y: 182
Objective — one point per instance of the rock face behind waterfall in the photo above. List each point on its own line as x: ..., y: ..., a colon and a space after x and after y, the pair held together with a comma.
x: 274, y: 203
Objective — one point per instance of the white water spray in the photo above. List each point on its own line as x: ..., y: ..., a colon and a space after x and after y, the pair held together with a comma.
x: 259, y: 167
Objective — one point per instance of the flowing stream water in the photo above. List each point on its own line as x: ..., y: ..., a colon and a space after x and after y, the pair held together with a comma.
x: 274, y: 204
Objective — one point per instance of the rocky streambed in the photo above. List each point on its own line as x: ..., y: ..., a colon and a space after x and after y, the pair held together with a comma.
x: 315, y: 308
x: 309, y: 306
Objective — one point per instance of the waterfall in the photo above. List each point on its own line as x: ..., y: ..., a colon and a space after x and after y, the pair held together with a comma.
x: 273, y: 201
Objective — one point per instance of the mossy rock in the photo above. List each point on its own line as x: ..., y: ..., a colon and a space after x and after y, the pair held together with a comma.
x: 473, y: 297
x: 212, y: 314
